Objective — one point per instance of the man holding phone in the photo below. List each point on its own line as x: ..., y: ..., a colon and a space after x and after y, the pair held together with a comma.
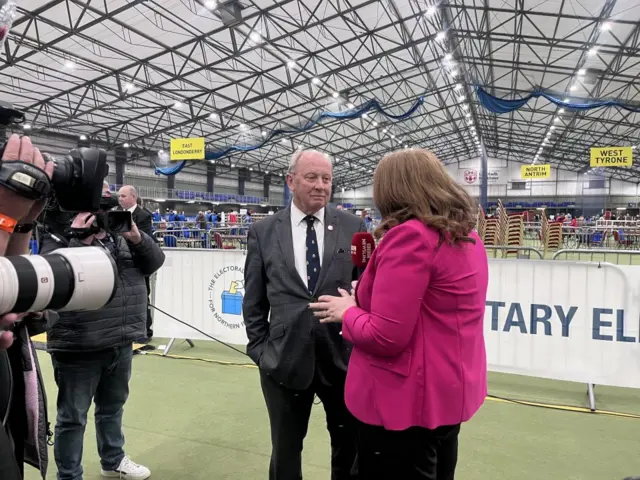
x: 92, y: 351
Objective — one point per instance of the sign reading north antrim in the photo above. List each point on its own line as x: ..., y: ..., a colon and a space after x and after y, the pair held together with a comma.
x: 187, y: 149
x: 529, y: 172
x: 611, y: 157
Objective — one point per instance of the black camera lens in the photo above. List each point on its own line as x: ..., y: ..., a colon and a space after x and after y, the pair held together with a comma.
x: 77, y: 179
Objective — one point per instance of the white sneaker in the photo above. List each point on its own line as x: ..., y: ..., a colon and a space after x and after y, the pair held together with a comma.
x: 128, y: 470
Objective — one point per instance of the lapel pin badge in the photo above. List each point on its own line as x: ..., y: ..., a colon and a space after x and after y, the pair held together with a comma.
x: 330, y: 228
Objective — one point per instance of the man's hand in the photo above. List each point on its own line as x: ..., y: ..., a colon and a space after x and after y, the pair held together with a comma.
x: 84, y: 220
x: 133, y: 235
x: 6, y: 338
x: 13, y: 205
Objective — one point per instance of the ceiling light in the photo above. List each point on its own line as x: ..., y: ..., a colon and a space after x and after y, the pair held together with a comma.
x: 210, y: 4
x: 315, y: 80
x: 458, y: 86
x: 26, y: 126
x: 593, y: 51
x: 69, y: 64
x: 375, y: 124
x: 83, y: 137
x: 552, y: 127
x: 448, y: 57
x: 605, y: 26
x: 350, y: 106
x: 255, y: 37
x: 233, y: 165
x: 573, y: 87
x: 213, y: 116
x: 264, y: 134
x: 557, y: 119
x: 335, y: 94
x: 582, y: 72
x: 468, y: 115
x: 177, y: 105
x: 284, y: 140
x: 431, y: 11
x: 454, y: 73
x: 129, y: 86
x: 393, y: 136
x: 566, y: 100
x: 406, y: 146
x: 440, y: 36
x: 364, y: 115
x: 465, y: 107
x: 251, y: 168
x: 461, y: 98
x: 291, y: 64
x: 384, y: 131
x: 125, y: 145
x: 243, y: 126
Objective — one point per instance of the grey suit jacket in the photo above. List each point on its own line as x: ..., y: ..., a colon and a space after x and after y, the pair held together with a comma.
x: 283, y: 333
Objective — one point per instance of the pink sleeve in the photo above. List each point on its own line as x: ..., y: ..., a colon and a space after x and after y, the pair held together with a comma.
x: 403, y: 267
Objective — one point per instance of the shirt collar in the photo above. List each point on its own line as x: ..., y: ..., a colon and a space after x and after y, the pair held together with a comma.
x: 297, y: 215
x: 132, y: 209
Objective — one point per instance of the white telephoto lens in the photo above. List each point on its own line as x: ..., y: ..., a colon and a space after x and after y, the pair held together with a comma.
x: 71, y: 279
x: 94, y: 273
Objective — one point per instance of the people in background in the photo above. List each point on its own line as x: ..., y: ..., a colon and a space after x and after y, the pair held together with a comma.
x: 293, y: 256
x: 92, y: 353
x: 201, y: 221
x: 418, y: 368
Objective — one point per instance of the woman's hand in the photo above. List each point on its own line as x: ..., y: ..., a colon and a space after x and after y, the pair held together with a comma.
x: 354, y: 285
x: 332, y: 309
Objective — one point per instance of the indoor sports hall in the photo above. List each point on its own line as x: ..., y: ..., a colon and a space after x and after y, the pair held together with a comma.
x: 533, y: 108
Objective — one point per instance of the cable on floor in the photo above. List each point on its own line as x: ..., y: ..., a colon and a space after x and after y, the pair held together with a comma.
x: 495, y: 398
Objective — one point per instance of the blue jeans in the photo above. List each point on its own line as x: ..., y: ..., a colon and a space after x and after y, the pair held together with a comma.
x: 83, y: 377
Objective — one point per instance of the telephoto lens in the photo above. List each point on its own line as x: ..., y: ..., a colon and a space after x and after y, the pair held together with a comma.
x: 70, y: 279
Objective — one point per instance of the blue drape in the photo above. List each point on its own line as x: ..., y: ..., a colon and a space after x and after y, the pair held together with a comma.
x: 501, y: 105
x: 371, y: 105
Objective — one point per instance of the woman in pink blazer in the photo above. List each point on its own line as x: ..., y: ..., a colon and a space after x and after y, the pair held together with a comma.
x: 418, y: 367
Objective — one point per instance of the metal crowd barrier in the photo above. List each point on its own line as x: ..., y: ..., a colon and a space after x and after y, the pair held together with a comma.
x: 591, y: 253
x: 522, y: 252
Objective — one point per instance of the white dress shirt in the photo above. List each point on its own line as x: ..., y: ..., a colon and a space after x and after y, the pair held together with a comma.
x: 132, y: 209
x: 299, y: 233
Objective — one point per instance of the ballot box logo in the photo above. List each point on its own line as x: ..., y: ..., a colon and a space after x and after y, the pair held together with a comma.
x: 226, y: 292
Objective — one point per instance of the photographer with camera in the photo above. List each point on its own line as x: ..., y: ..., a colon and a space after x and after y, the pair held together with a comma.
x: 22, y: 398
x: 92, y: 351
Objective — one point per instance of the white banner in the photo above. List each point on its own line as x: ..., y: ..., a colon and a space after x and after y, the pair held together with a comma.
x: 203, y: 288
x: 573, y: 321
x: 471, y: 176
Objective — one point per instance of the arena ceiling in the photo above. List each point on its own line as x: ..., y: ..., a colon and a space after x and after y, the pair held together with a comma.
x: 140, y: 72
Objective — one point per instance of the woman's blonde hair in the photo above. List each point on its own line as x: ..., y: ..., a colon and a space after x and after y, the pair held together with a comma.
x: 413, y: 183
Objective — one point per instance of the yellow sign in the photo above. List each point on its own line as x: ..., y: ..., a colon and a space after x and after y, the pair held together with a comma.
x: 535, y: 171
x: 611, y: 157
x: 187, y: 149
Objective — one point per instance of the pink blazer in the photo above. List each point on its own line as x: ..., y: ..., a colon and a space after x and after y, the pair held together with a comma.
x: 419, y: 356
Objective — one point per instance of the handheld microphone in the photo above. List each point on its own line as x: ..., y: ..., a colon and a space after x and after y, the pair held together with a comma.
x: 362, y: 247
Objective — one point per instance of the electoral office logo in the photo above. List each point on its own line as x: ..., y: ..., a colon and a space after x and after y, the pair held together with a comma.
x: 226, y: 292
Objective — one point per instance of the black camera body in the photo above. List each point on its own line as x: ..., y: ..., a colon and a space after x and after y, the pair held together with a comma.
x: 77, y: 179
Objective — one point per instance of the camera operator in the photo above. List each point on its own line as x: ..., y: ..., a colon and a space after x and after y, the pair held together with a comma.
x: 92, y: 351
x: 22, y: 400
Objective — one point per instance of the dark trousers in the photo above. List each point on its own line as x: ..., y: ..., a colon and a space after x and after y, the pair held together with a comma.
x: 82, y: 377
x: 412, y: 454
x: 289, y: 412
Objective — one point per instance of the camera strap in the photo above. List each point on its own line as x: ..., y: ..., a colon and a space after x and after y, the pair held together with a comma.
x: 25, y: 179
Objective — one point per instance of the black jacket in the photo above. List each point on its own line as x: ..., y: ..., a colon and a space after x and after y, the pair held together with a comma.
x: 123, y: 320
x: 142, y: 218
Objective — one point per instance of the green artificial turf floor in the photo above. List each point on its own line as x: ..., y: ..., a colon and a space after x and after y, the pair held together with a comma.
x: 204, y: 420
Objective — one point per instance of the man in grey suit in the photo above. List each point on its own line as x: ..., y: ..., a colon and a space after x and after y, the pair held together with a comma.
x: 293, y: 257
